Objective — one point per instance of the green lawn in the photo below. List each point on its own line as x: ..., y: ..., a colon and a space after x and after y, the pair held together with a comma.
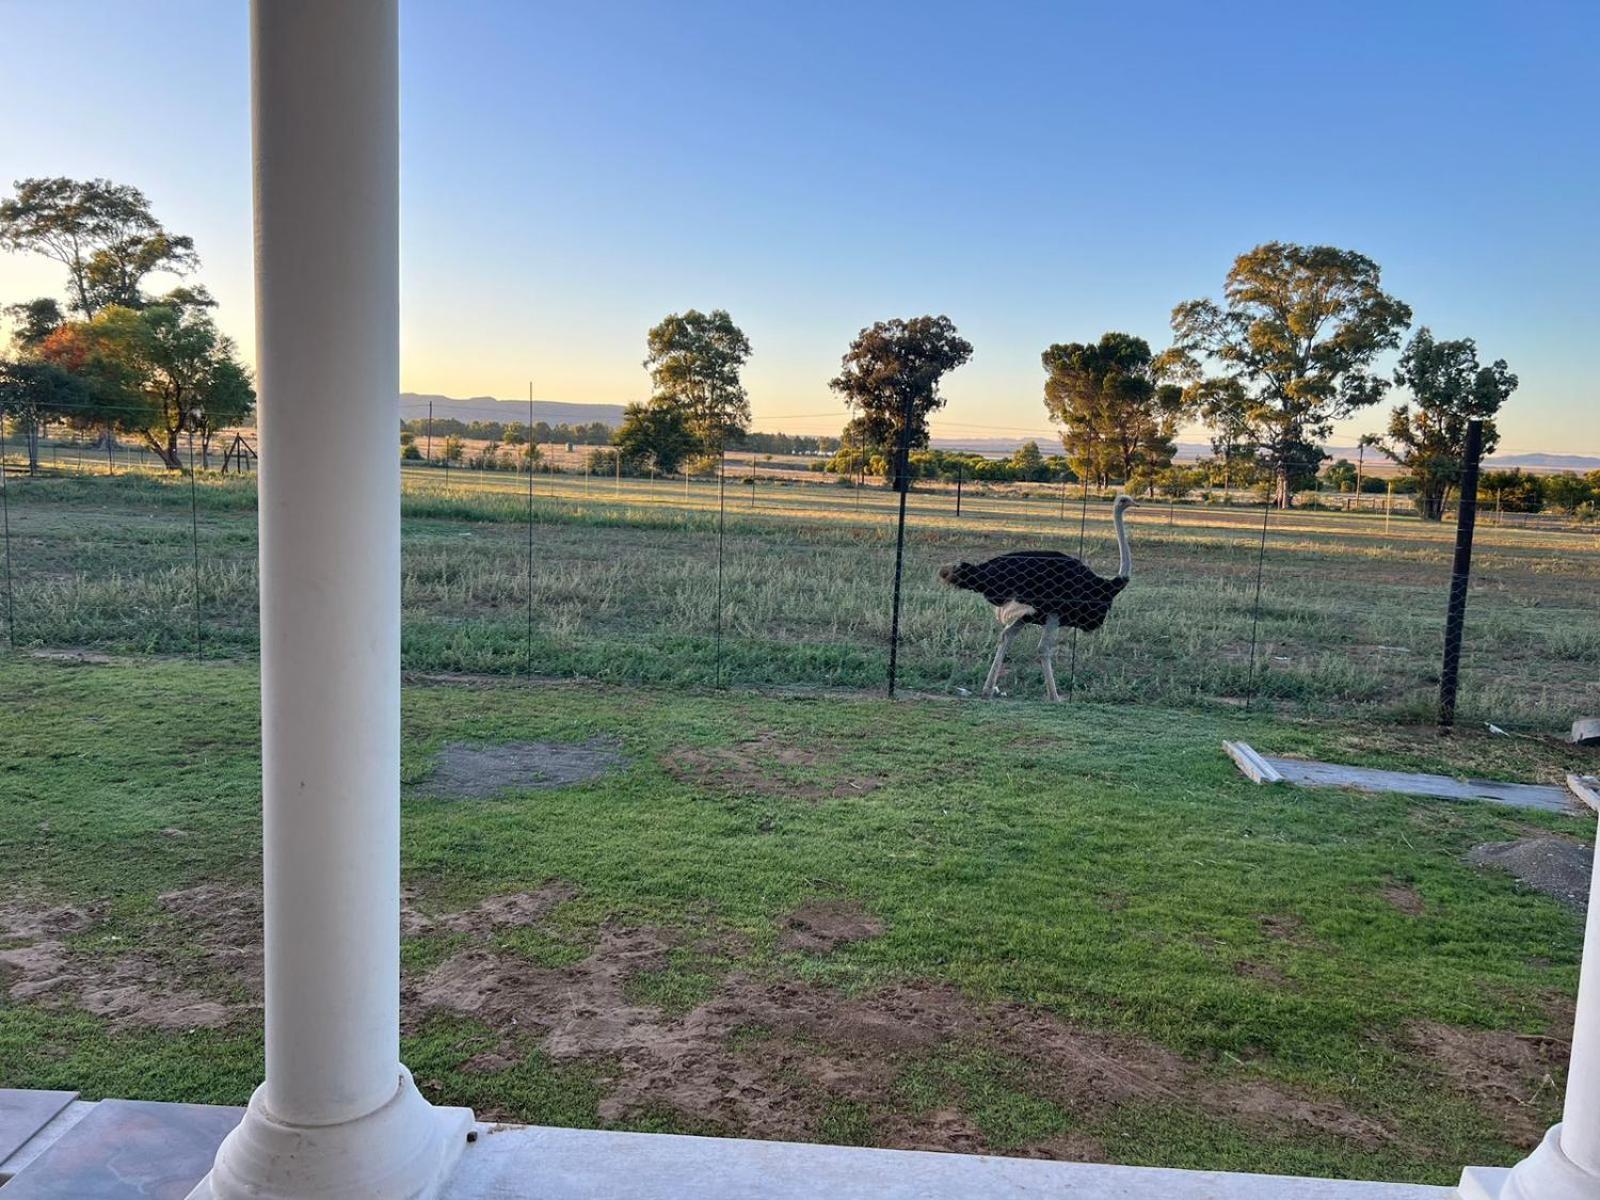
x: 1072, y: 931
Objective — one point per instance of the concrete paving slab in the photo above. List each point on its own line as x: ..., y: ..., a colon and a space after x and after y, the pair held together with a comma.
x: 128, y: 1150
x: 24, y: 1113
x: 524, y: 1162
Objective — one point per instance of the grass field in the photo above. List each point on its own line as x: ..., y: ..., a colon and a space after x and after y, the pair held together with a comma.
x: 1069, y: 931
x: 625, y: 584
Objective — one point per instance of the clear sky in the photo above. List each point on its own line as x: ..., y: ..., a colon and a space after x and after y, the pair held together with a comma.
x: 1040, y: 172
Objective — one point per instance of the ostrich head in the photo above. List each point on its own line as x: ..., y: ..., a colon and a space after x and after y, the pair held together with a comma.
x: 1123, y: 503
x: 957, y: 574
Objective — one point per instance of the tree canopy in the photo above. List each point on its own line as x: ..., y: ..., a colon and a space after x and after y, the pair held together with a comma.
x: 103, y: 233
x: 155, y: 372
x: 1448, y: 388
x: 890, y: 377
x: 694, y: 360
x: 1118, y: 421
x: 1298, y: 331
x: 655, y: 435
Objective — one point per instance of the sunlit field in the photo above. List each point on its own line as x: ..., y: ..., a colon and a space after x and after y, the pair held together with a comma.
x: 625, y: 586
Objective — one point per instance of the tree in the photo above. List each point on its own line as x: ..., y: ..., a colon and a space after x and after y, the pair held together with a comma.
x: 103, y: 233
x: 1341, y: 476
x: 1117, y: 419
x: 34, y: 320
x: 32, y: 393
x: 655, y: 434
x: 694, y: 360
x: 155, y: 372
x: 1448, y: 388
x: 1567, y: 493
x: 890, y: 377
x: 454, y: 448
x: 1028, y: 462
x: 1298, y: 330
x: 1512, y: 491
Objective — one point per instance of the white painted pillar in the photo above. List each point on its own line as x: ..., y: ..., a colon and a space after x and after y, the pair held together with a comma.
x: 1566, y: 1165
x: 338, y: 1115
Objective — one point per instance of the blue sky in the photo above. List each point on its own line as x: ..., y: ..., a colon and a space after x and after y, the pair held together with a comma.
x: 1040, y: 172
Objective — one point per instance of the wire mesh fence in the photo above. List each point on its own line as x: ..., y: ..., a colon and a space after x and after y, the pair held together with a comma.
x: 772, y: 574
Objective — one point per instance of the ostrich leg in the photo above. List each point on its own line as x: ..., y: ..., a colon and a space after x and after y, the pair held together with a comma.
x: 1047, y: 655
x: 1006, y: 634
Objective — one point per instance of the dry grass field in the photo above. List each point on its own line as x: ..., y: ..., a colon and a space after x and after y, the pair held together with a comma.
x: 626, y: 578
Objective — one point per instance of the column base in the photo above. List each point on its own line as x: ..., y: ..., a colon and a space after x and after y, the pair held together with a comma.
x: 403, y: 1151
x: 1546, y: 1174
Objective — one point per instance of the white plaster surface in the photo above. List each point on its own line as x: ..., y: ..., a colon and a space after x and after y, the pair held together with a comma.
x: 533, y: 1163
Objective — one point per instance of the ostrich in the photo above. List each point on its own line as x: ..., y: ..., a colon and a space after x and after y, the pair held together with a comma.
x: 1043, y: 587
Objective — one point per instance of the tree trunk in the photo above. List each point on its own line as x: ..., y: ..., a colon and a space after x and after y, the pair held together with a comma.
x: 1430, y: 505
x: 168, y: 454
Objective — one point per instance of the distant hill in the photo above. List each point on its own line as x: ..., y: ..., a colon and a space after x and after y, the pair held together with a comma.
x: 1545, y: 462
x: 486, y: 408
x: 1538, y: 461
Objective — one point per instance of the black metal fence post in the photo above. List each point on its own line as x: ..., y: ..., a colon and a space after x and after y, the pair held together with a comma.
x: 194, y: 541
x: 722, y: 530
x: 1255, y: 611
x: 902, y: 483
x: 528, y: 642
x: 1460, y: 575
x: 5, y: 525
x: 959, y: 473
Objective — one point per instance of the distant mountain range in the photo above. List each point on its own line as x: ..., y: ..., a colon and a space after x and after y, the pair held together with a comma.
x: 414, y: 405
x: 556, y: 412
x: 1190, y: 451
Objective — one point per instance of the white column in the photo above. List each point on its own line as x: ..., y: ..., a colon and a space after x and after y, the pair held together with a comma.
x: 1566, y: 1165
x: 338, y: 1115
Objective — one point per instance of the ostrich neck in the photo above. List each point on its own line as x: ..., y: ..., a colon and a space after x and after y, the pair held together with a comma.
x: 1125, y: 563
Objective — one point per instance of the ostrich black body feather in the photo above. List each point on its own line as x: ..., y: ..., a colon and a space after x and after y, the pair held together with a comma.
x: 1048, y: 582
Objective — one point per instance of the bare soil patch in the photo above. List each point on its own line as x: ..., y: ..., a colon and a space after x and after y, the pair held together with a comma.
x: 766, y: 1057
x: 495, y: 912
x: 1552, y: 865
x: 765, y: 765
x: 463, y: 771
x: 1511, y: 1076
x: 824, y: 925
x: 1265, y: 972
x: 1406, y: 899
x: 1287, y: 928
x: 221, y: 936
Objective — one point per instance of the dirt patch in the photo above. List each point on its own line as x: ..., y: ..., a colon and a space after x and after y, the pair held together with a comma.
x: 824, y: 925
x: 21, y: 921
x: 221, y: 938
x: 496, y: 912
x: 1406, y: 899
x: 224, y: 924
x: 1511, y: 1076
x: 1265, y: 972
x: 470, y: 772
x: 1287, y: 928
x: 766, y: 1058
x: 1554, y: 866
x: 765, y: 765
